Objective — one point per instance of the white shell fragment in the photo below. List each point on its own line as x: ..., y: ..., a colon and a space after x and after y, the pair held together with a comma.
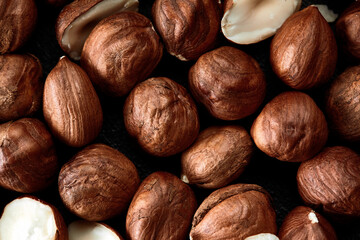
x: 263, y: 236
x: 327, y: 13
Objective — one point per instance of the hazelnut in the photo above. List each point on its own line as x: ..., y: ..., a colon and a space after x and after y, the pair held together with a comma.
x: 17, y: 20
x: 28, y: 217
x: 331, y: 181
x: 161, y: 115
x: 28, y: 162
x: 303, y: 223
x: 77, y: 20
x: 290, y: 128
x: 20, y: 86
x: 218, y: 156
x: 162, y: 208
x: 303, y: 53
x: 121, y: 51
x: 234, y: 212
x: 342, y: 101
x: 189, y: 28
x: 98, y: 183
x: 70, y: 104
x: 229, y: 83
x: 246, y: 22
x: 85, y: 230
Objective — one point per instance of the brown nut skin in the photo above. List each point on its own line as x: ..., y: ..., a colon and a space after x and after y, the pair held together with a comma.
x: 161, y: 115
x: 71, y: 106
x: 303, y: 53
x: 121, y: 51
x: 303, y: 223
x: 17, y: 20
x: 290, y: 127
x: 229, y: 83
x: 234, y: 212
x: 331, y: 181
x: 98, y: 183
x: 342, y: 101
x: 162, y: 208
x: 28, y: 162
x: 20, y: 86
x: 189, y: 28
x: 218, y: 156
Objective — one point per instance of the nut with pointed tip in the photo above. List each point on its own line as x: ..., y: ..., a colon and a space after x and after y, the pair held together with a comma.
x: 20, y: 86
x: 234, y: 212
x: 303, y: 53
x: 303, y: 223
x: 290, y: 128
x: 77, y: 20
x: 86, y: 230
x: 163, y: 206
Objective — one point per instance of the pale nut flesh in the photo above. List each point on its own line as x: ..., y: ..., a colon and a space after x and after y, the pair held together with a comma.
x: 86, y: 230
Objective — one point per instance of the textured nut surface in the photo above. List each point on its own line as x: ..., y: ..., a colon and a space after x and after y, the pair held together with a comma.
x: 28, y: 162
x: 303, y: 53
x: 20, y: 86
x: 290, y: 128
x: 161, y: 115
x: 303, y: 223
x: 17, y: 20
x: 162, y: 208
x: 188, y: 28
x: 98, y: 183
x: 228, y: 82
x: 217, y: 157
x: 70, y: 104
x: 234, y: 212
x: 331, y: 180
x: 121, y: 51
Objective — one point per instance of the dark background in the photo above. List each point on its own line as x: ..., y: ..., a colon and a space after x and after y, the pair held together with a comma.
x: 278, y: 178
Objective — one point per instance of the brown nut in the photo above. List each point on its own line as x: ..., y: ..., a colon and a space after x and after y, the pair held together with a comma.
x: 348, y: 30
x: 98, y: 183
x: 77, y: 20
x: 229, y: 83
x: 162, y: 209
x: 218, y: 156
x: 121, y: 51
x: 234, y: 212
x: 189, y: 28
x: 290, y: 128
x: 28, y: 162
x: 161, y: 115
x: 331, y: 180
x: 17, y: 20
x: 342, y: 101
x: 87, y: 230
x: 303, y: 53
x: 70, y: 104
x: 303, y: 223
x: 28, y: 217
x: 20, y: 86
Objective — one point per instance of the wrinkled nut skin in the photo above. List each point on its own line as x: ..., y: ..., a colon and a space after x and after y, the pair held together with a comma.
x: 71, y: 106
x: 162, y: 208
x: 28, y: 161
x: 342, y: 101
x: 20, y: 86
x: 161, y: 115
x: 228, y: 82
x: 234, y: 212
x: 331, y: 181
x: 121, y: 51
x: 17, y: 20
x: 218, y: 156
x: 303, y: 223
x: 290, y: 127
x: 98, y: 183
x: 188, y: 28
x: 348, y: 30
x: 303, y: 53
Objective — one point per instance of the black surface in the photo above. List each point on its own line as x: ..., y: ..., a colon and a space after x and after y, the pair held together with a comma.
x: 275, y: 176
